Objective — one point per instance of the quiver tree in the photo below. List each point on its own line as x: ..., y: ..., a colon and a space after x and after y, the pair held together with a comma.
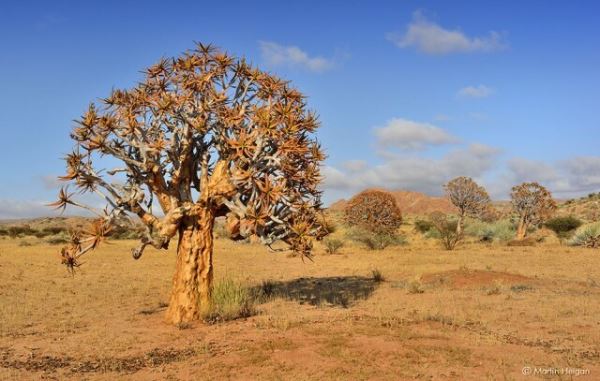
x: 375, y: 211
x: 533, y: 204
x: 469, y: 198
x: 203, y: 135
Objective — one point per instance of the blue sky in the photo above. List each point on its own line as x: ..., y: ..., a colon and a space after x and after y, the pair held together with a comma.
x: 410, y: 94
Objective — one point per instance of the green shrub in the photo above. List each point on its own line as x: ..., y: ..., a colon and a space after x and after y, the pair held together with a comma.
x: 332, y: 245
x: 19, y: 231
x: 57, y: 240
x: 230, y: 301
x: 3, y: 232
x: 587, y: 236
x: 563, y: 226
x: 423, y: 226
x: 126, y: 232
x: 502, y: 230
x: 54, y: 230
x: 376, y: 241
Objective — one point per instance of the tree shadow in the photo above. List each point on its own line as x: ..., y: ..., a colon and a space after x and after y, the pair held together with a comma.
x: 332, y: 291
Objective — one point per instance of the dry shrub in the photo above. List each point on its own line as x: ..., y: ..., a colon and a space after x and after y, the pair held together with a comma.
x: 423, y: 226
x: 446, y: 229
x: 376, y: 240
x: 230, y: 300
x: 332, y: 245
x: 375, y: 211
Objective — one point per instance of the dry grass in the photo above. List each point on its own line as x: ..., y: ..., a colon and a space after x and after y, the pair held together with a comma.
x: 481, y: 312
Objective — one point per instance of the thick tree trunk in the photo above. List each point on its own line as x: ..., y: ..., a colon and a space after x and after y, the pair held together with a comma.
x: 192, y: 282
x: 521, y: 229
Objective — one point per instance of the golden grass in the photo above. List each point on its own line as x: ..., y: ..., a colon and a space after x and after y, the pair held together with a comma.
x: 487, y: 311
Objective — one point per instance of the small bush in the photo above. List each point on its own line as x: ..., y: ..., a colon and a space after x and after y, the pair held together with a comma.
x: 377, y: 241
x: 423, y: 226
x: 54, y: 230
x: 58, y: 240
x: 415, y: 287
x: 19, y: 231
x: 126, y: 232
x: 587, y: 236
x: 332, y: 245
x: 3, y: 232
x: 446, y: 229
x: 563, y: 226
x: 230, y: 301
x: 378, y: 276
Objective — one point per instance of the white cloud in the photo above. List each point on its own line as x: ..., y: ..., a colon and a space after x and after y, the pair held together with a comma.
x: 480, y: 91
x: 413, y: 172
x: 355, y: 165
x: 24, y: 209
x: 281, y: 55
x: 430, y: 38
x: 407, y: 134
x: 568, y: 178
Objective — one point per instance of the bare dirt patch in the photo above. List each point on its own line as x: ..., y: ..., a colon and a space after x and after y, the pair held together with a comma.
x: 465, y: 278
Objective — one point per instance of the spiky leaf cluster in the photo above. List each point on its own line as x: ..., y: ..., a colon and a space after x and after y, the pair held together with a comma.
x: 204, y: 130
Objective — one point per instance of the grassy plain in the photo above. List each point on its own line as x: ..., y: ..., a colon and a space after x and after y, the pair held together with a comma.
x: 481, y: 312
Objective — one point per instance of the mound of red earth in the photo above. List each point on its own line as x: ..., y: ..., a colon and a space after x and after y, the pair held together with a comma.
x: 411, y: 203
x: 474, y: 278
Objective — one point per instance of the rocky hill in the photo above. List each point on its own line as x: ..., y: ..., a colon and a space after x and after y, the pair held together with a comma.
x: 410, y: 202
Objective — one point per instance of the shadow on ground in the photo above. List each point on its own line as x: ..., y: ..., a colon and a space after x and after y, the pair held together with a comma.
x: 333, y: 291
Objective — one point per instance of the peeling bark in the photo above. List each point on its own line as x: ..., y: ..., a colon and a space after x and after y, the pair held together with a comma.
x: 192, y: 282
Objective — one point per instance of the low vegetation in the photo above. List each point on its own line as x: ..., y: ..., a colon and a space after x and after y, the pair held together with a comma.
x: 332, y: 245
x: 563, y: 226
x: 230, y: 300
x: 587, y: 236
x: 446, y: 229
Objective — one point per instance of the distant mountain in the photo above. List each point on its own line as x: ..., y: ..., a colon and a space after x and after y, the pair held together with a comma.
x: 411, y: 203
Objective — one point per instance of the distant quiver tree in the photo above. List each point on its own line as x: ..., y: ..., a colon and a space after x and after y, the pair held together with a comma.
x: 532, y: 204
x: 471, y: 199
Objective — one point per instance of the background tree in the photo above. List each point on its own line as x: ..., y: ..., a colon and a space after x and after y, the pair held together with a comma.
x: 533, y: 204
x: 470, y: 199
x: 375, y: 211
x: 446, y: 229
x: 205, y: 135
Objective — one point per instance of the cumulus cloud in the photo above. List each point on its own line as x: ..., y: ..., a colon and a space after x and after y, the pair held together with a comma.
x: 410, y: 135
x: 568, y: 178
x: 480, y: 91
x: 430, y: 38
x: 413, y: 172
x: 281, y: 55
